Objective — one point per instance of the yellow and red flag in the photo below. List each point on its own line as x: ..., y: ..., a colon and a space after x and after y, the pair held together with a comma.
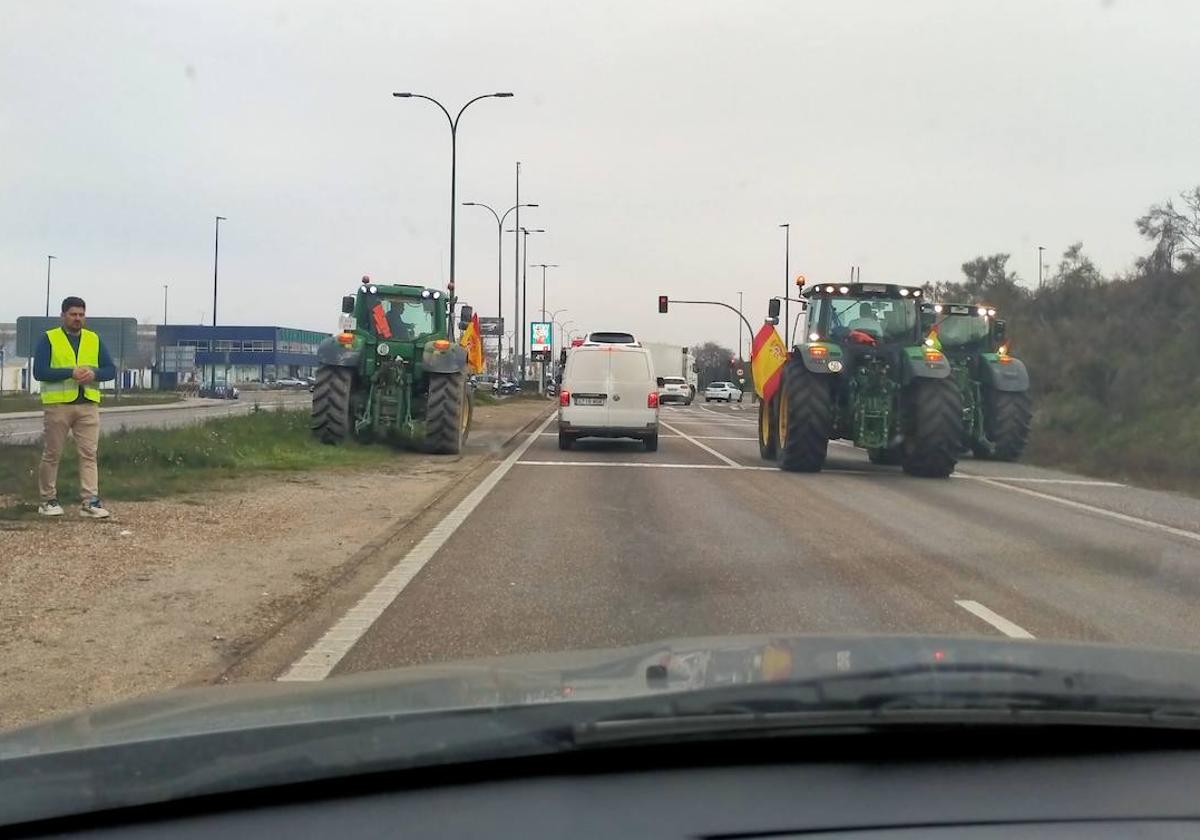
x: 473, y: 341
x: 767, y: 358
x: 934, y: 339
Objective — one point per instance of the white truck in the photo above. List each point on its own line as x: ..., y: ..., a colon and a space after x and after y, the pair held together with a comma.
x: 673, y: 360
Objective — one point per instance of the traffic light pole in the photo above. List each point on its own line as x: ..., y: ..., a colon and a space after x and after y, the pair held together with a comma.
x: 732, y: 309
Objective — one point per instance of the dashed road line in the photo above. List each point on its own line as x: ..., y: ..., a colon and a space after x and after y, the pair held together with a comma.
x: 323, y: 657
x: 706, y: 448
x: 1008, y: 628
x: 654, y: 465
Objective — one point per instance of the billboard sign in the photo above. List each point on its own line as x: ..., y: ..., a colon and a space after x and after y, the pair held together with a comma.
x: 541, y: 336
x: 491, y: 326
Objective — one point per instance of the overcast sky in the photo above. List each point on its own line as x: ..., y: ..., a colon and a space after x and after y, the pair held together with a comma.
x: 664, y: 141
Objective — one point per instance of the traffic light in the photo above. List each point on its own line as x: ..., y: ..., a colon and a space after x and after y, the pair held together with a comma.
x: 663, y: 300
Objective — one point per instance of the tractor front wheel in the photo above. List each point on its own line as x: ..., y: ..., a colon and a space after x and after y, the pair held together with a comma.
x: 332, y: 420
x: 805, y: 420
x: 447, y: 414
x: 1008, y: 415
x: 934, y: 436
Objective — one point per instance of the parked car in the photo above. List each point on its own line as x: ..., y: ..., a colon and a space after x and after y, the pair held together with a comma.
x: 675, y: 389
x: 484, y: 382
x: 291, y: 382
x: 219, y: 392
x: 508, y: 386
x: 722, y: 391
x: 608, y: 391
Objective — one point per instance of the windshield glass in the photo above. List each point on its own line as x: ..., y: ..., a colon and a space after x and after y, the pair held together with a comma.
x: 243, y: 443
x: 884, y: 318
x: 401, y: 318
x: 955, y: 331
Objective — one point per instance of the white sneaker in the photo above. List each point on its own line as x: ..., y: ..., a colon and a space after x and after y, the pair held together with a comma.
x: 93, y: 510
x: 50, y: 508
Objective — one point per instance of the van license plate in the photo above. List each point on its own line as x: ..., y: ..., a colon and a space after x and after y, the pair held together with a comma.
x: 589, y: 401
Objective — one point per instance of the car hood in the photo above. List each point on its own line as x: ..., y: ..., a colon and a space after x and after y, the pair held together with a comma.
x: 678, y: 665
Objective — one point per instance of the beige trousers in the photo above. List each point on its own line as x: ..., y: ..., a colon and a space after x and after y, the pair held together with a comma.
x: 82, y: 419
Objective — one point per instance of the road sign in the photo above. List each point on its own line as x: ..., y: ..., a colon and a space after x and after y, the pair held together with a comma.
x: 741, y: 372
x: 491, y: 326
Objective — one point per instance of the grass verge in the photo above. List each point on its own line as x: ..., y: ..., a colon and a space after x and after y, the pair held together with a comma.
x: 149, y: 463
x: 33, y: 402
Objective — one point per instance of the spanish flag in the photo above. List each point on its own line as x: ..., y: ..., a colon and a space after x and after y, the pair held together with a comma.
x: 934, y: 339
x: 767, y: 358
x: 473, y: 341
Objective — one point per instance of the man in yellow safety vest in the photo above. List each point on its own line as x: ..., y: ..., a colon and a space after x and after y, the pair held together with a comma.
x: 71, y: 362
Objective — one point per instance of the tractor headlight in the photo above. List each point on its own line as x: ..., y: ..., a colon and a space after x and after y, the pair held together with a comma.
x: 904, y: 293
x: 374, y: 290
x: 437, y: 295
x: 937, y: 307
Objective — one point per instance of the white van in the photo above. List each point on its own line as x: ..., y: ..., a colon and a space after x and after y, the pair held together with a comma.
x: 608, y: 391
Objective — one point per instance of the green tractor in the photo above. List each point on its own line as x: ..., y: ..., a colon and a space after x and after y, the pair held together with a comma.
x: 994, y: 386
x: 864, y: 374
x: 395, y: 375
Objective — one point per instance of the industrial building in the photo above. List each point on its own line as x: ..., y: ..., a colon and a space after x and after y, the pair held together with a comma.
x: 232, y: 355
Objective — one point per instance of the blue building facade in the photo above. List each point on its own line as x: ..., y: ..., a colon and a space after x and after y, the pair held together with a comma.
x: 233, y: 354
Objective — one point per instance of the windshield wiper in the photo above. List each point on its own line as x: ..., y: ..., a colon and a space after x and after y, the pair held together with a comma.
x: 948, y: 694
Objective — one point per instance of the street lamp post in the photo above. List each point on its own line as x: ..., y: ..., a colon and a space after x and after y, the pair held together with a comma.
x: 165, y: 287
x: 1040, y: 250
x: 453, y: 165
x: 49, y: 257
x: 216, y: 262
x: 524, y: 285
x: 543, y: 267
x: 740, y: 356
x: 499, y: 267
x: 787, y: 256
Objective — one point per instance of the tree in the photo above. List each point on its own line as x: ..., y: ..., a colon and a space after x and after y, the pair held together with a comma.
x: 712, y: 362
x: 1174, y: 233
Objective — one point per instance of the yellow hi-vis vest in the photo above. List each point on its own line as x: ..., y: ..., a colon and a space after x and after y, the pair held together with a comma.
x: 63, y: 356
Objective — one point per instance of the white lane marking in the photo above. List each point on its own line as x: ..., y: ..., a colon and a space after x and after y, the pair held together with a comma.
x: 706, y: 448
x: 322, y: 657
x: 1111, y: 514
x: 1083, y: 482
x: 643, y: 464
x: 1008, y: 628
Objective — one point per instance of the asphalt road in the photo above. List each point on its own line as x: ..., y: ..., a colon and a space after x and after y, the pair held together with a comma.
x: 609, y: 545
x: 18, y: 430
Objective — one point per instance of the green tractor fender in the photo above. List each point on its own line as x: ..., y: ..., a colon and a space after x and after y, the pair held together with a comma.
x: 332, y: 352
x: 449, y: 359
x: 919, y: 365
x: 1007, y: 376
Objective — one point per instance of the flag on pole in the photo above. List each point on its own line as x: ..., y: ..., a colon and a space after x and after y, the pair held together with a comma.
x: 473, y: 341
x: 767, y: 358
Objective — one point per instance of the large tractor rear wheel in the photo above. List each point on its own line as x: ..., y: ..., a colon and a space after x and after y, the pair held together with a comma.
x: 1007, y: 418
x: 805, y: 420
x: 768, y: 422
x: 934, y: 436
x: 332, y: 420
x: 447, y: 414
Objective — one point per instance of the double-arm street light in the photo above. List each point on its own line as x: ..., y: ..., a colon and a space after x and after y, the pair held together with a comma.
x: 543, y: 267
x: 787, y: 256
x: 524, y: 285
x: 499, y: 268
x: 453, y: 163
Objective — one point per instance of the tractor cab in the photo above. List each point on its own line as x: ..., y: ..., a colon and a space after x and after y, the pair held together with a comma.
x: 961, y: 329
x: 863, y: 314
x: 401, y: 319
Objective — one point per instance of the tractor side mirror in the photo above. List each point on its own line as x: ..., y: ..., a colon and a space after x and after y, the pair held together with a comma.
x: 465, y: 314
x: 773, y: 310
x: 348, y: 305
x: 999, y: 331
x: 661, y: 382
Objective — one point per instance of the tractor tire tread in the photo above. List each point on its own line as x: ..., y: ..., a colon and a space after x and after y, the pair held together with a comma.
x: 448, y: 398
x: 332, y: 420
x: 809, y: 420
x: 936, y: 435
x: 1009, y: 414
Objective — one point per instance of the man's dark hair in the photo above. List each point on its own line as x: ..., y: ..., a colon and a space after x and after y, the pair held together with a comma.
x: 68, y: 302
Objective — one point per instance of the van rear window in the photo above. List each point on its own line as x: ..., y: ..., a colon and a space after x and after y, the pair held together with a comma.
x: 587, y: 365
x: 630, y: 366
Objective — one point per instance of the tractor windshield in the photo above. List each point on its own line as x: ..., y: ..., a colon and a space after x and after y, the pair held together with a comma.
x: 963, y: 331
x: 886, y: 319
x: 401, y: 318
